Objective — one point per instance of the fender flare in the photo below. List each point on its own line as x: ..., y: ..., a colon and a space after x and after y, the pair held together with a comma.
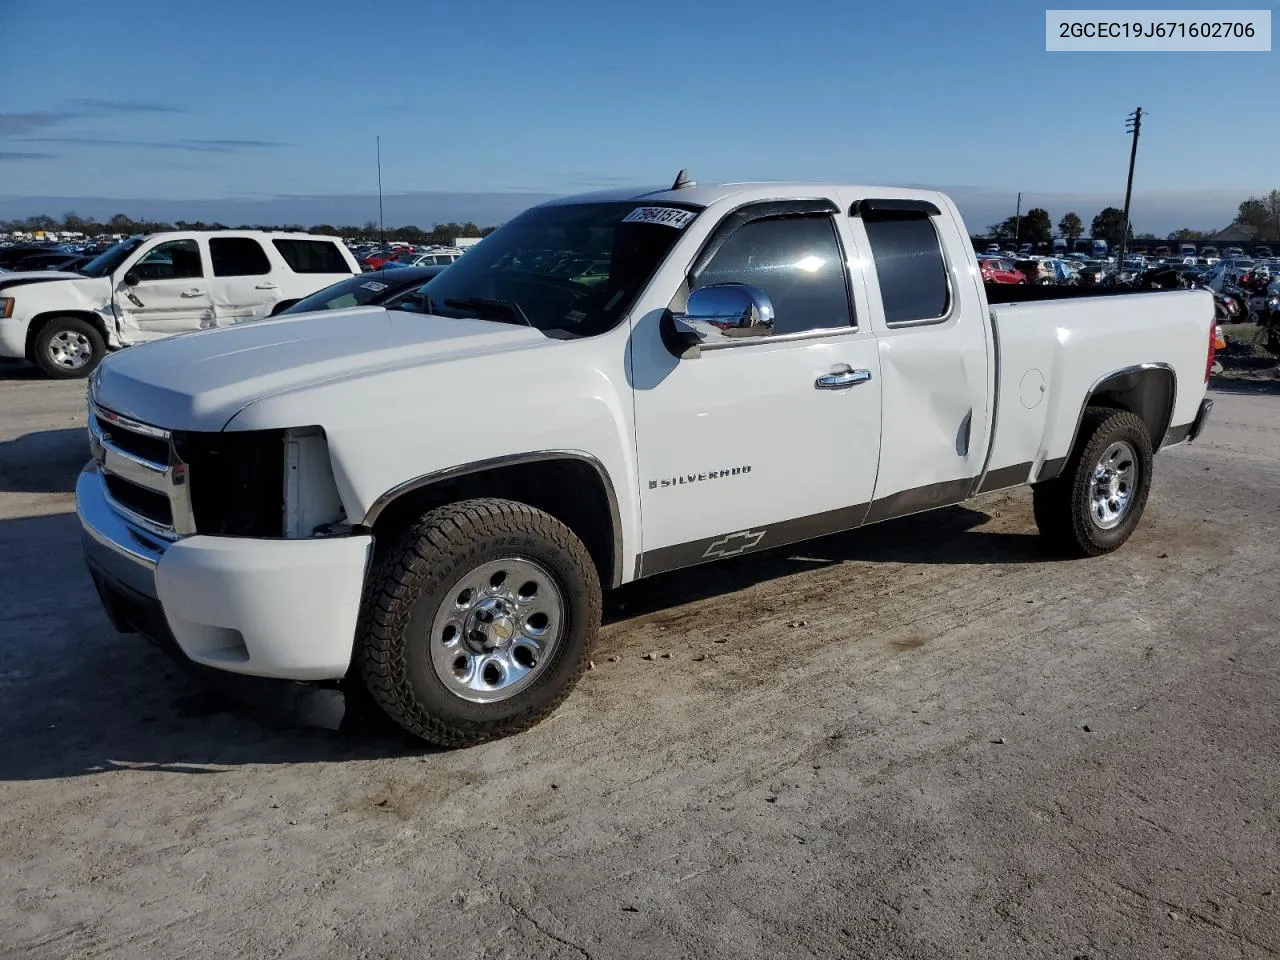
x: 511, y: 460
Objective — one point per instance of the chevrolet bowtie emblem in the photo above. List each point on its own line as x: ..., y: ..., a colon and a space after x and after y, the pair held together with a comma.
x: 734, y: 544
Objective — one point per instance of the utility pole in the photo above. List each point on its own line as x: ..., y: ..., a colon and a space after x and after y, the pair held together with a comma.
x: 1133, y: 125
x: 1017, y: 222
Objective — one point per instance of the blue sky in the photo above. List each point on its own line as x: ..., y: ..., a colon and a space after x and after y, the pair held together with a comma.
x: 254, y: 102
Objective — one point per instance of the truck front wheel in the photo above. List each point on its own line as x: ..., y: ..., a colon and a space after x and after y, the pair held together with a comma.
x: 1095, y: 504
x: 67, y: 348
x: 477, y: 623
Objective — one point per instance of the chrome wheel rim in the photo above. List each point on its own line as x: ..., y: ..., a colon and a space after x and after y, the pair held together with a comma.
x: 497, y: 630
x: 1115, y: 478
x: 69, y: 349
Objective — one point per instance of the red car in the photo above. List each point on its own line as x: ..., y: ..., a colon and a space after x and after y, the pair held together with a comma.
x: 375, y: 261
x: 1001, y: 271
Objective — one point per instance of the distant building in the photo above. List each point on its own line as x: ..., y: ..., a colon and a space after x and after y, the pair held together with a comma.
x: 1236, y: 233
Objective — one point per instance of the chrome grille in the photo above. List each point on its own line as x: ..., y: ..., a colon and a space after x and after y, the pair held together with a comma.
x: 143, y: 477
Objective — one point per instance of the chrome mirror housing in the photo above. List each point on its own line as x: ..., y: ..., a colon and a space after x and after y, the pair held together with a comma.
x: 725, y: 311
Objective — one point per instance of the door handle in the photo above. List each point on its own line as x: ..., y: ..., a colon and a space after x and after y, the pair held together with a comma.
x: 192, y: 293
x: 266, y: 286
x: 843, y: 380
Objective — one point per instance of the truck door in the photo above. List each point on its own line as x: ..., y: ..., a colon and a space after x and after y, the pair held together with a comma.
x: 932, y: 333
x: 163, y: 290
x: 242, y: 286
x: 767, y: 440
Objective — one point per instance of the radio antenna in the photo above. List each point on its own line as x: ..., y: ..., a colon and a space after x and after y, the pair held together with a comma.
x: 382, y: 226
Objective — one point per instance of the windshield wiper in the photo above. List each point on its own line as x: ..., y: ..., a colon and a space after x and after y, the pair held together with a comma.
x: 483, y: 303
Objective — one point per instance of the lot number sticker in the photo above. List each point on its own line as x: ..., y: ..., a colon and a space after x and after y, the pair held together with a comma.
x: 668, y: 216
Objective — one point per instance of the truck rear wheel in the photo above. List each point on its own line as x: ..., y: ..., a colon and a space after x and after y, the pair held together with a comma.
x: 477, y: 623
x: 67, y: 348
x: 1095, y: 504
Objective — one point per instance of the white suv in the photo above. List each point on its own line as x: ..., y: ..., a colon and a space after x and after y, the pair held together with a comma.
x: 149, y: 287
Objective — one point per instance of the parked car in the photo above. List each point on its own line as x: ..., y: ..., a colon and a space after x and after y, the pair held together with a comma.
x: 379, y: 259
x: 430, y: 505
x: 11, y: 256
x: 1001, y: 271
x: 149, y: 287
x: 441, y: 257
x: 364, y: 290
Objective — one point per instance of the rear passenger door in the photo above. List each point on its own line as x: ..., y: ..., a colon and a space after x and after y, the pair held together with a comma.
x: 933, y: 337
x: 243, y: 285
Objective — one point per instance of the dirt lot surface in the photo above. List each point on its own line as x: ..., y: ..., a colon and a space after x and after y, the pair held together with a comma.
x: 923, y: 740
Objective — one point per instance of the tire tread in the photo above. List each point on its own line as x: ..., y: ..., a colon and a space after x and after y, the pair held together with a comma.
x: 421, y: 554
x: 1059, y: 505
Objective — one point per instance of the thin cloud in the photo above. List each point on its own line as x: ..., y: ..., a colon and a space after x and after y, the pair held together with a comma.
x: 190, y: 146
x: 232, y: 144
x: 24, y: 155
x: 17, y: 124
x: 125, y: 106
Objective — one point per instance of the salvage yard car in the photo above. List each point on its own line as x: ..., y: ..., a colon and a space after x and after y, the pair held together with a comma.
x: 429, y: 503
x: 148, y: 287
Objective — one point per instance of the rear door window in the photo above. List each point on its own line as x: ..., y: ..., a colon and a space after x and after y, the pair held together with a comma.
x: 238, y: 257
x: 911, y: 269
x: 312, y: 256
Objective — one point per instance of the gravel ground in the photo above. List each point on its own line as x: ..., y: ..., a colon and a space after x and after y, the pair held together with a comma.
x: 922, y: 740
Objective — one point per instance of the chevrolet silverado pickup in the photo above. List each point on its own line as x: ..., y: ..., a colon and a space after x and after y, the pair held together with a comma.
x: 427, y: 500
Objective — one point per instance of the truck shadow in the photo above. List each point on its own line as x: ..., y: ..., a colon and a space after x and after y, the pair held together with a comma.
x: 17, y: 370
x: 945, y: 536
x: 47, y: 461
x: 80, y: 699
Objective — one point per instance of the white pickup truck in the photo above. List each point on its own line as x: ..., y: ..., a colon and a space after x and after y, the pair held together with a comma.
x: 428, y: 499
x: 148, y: 287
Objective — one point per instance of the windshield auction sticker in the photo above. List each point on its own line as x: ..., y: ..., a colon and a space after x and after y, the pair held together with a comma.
x: 1190, y: 31
x: 667, y: 216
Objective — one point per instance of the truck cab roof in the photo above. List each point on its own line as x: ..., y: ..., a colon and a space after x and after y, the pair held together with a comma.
x: 704, y: 195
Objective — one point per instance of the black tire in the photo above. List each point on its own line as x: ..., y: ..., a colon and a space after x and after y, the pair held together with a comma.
x: 1064, y: 506
x: 49, y: 345
x: 413, y: 580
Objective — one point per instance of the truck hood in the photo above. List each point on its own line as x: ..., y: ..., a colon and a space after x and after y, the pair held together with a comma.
x: 199, y: 381
x: 37, y: 276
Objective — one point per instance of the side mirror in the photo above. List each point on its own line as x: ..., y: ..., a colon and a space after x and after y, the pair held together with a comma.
x: 725, y: 312
x: 130, y: 279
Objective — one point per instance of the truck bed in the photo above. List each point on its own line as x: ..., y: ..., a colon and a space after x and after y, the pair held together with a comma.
x: 1053, y: 351
x: 1001, y: 293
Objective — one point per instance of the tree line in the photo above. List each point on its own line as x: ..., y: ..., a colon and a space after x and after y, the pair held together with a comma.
x: 1260, y: 213
x: 123, y: 223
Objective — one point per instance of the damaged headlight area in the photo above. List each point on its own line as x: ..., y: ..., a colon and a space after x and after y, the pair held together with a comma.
x: 260, y: 483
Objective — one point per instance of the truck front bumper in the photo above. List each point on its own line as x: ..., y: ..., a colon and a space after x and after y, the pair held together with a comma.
x: 267, y: 608
x: 13, y: 337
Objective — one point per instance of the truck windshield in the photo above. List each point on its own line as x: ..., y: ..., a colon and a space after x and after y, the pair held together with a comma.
x: 570, y: 270
x: 106, y: 262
